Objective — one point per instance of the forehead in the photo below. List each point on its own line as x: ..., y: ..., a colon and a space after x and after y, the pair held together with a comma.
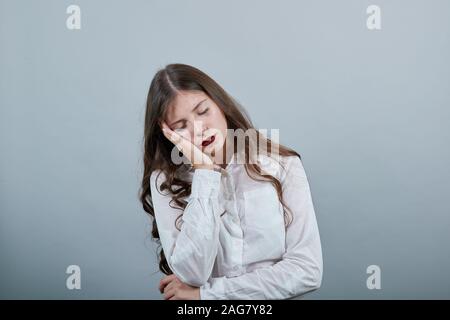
x: 183, y: 103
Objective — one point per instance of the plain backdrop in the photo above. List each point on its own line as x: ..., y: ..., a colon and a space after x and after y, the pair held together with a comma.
x: 368, y: 110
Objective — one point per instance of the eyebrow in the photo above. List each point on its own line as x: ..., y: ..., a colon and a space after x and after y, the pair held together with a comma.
x: 198, y: 105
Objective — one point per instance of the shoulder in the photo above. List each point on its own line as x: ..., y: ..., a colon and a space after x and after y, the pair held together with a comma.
x: 292, y: 161
x: 280, y: 166
x: 292, y: 167
x: 294, y: 173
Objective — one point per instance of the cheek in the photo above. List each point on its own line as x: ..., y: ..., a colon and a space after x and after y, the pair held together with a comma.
x: 221, y: 126
x: 219, y: 120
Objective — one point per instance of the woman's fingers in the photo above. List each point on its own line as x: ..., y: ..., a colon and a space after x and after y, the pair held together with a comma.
x: 171, y: 135
x: 174, y: 137
x: 164, y: 125
x: 185, y: 146
x: 169, y: 294
x: 189, y: 150
x: 165, y: 281
x: 169, y: 286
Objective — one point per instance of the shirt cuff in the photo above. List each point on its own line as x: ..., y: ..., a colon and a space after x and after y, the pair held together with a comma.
x: 205, y: 183
x: 207, y: 292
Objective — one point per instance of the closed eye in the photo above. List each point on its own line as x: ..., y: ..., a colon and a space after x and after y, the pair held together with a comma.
x: 204, y: 111
x: 200, y: 114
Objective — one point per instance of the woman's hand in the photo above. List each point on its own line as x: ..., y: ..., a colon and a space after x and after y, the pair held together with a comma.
x: 174, y: 289
x: 197, y: 158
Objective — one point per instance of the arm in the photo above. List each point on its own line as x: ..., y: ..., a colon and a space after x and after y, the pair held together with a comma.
x: 300, y: 269
x: 191, y: 252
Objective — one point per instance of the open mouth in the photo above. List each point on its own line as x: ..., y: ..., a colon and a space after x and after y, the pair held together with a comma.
x: 208, y: 141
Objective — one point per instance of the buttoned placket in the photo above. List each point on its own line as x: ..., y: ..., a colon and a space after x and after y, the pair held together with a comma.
x: 231, y: 209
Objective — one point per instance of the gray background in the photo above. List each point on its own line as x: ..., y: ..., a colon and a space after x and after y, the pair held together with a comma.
x: 367, y: 110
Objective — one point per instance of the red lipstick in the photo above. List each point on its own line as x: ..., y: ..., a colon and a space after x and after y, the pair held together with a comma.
x: 208, y: 141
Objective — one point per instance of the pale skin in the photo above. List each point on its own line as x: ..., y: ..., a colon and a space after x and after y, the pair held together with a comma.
x: 193, y: 109
x: 173, y: 289
x: 191, y: 119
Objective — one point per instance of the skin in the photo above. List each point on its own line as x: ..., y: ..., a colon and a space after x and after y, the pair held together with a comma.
x: 174, y: 289
x: 196, y: 125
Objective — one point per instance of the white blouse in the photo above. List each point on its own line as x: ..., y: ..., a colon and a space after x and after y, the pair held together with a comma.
x: 246, y: 253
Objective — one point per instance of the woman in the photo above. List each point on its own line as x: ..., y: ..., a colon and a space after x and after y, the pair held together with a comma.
x: 233, y: 222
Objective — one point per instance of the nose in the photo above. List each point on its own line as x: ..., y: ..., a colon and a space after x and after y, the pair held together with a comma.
x: 199, y: 131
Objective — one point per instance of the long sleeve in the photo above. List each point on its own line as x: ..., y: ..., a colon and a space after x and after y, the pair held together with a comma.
x: 190, y: 252
x: 300, y: 269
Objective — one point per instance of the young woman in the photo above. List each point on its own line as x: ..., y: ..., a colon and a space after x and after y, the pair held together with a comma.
x: 233, y: 222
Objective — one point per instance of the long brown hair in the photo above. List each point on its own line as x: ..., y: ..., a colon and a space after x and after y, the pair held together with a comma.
x: 164, y: 87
